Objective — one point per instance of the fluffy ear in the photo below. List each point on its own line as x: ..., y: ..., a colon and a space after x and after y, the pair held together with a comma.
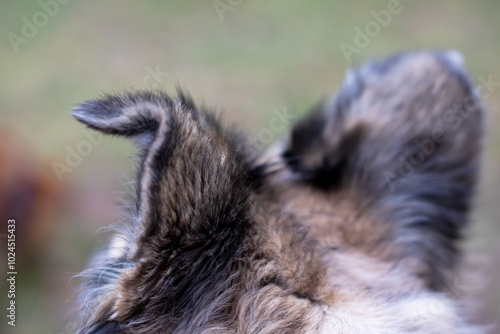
x: 403, y: 135
x: 192, y: 199
x: 189, y: 169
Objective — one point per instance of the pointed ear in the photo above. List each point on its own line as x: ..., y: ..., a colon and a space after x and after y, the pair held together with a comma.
x: 192, y: 209
x: 403, y: 134
x: 192, y: 182
x: 135, y: 115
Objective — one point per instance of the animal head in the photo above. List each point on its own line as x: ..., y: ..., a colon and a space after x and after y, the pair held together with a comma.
x: 349, y: 224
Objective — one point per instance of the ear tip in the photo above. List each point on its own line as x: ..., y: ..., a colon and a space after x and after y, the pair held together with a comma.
x: 125, y: 114
x: 79, y: 113
x: 108, y: 106
x: 83, y: 112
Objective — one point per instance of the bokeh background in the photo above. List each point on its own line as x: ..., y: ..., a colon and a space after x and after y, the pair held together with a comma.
x: 244, y: 58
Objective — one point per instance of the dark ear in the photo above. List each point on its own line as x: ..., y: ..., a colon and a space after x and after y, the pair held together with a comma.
x: 192, y: 201
x: 404, y: 135
x: 191, y: 177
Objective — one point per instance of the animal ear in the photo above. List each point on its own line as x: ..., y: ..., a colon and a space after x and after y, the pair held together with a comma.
x: 192, y: 196
x: 135, y: 115
x: 189, y: 169
x: 404, y: 135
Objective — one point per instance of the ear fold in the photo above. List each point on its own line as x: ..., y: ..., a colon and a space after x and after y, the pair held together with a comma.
x: 404, y: 135
x: 192, y: 199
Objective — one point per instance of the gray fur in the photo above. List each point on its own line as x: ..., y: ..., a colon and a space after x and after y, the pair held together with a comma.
x: 326, y: 234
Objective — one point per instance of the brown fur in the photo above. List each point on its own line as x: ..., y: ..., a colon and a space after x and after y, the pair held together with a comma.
x: 323, y: 233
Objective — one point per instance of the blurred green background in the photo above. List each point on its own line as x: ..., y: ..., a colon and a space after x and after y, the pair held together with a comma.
x: 244, y: 58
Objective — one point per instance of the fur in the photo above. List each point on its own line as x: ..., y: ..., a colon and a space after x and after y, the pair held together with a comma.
x: 350, y: 224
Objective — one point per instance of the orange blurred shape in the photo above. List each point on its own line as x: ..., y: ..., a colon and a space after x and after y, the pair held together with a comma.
x: 29, y: 193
